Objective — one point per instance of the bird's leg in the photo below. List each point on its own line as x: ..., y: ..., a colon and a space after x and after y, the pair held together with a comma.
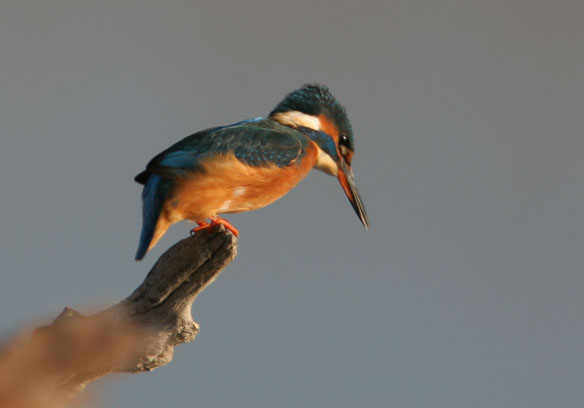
x: 202, y: 225
x: 218, y: 220
x: 215, y: 221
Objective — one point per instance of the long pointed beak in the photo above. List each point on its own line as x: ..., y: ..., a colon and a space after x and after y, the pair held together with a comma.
x: 347, y: 181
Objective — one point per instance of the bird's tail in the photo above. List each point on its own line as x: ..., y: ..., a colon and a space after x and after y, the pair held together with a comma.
x: 153, y: 198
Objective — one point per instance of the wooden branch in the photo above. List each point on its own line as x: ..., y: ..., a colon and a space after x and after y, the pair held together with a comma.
x: 135, y: 335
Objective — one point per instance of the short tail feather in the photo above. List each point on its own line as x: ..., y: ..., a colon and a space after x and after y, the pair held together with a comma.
x: 153, y: 197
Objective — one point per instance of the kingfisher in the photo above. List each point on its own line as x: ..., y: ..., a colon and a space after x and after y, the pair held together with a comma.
x: 248, y: 165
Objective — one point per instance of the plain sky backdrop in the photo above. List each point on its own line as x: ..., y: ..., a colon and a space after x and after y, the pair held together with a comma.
x: 469, y: 131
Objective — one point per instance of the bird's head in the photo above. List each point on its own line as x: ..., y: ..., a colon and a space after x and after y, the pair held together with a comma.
x: 314, y: 111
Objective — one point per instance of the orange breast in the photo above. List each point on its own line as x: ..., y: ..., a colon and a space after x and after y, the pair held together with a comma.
x: 227, y: 185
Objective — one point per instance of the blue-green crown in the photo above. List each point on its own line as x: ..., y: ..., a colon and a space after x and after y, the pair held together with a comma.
x: 316, y: 99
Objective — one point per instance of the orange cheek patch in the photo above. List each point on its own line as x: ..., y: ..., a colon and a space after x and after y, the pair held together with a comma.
x: 328, y: 127
x: 349, y: 157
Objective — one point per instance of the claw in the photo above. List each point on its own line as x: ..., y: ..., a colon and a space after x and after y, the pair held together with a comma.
x: 202, y: 225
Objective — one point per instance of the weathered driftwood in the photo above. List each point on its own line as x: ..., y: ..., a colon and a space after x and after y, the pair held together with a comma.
x: 135, y: 335
x: 162, y: 303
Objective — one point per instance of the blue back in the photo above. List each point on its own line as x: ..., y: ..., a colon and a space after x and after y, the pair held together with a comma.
x: 257, y: 142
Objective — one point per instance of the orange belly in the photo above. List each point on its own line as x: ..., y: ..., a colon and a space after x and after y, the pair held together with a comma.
x: 226, y: 185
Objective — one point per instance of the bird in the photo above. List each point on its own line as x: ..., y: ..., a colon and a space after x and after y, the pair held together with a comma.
x: 248, y: 165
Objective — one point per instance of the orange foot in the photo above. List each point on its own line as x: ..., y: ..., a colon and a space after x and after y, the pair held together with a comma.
x: 215, y: 221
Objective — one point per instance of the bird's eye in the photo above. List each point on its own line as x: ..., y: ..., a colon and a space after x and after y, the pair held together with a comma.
x: 344, y: 140
x: 345, y: 146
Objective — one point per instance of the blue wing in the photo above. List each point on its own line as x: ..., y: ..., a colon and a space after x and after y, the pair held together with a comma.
x: 257, y: 142
x: 156, y: 191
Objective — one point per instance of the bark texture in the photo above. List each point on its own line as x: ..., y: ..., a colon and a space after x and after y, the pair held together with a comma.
x: 138, y: 334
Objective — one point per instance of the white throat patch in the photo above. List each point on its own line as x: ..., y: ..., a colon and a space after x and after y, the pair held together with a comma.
x: 325, y: 163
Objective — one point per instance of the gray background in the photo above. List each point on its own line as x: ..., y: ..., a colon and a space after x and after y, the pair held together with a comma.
x: 469, y: 124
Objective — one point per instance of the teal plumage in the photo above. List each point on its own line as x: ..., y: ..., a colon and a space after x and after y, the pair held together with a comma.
x: 248, y: 164
x: 257, y: 142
